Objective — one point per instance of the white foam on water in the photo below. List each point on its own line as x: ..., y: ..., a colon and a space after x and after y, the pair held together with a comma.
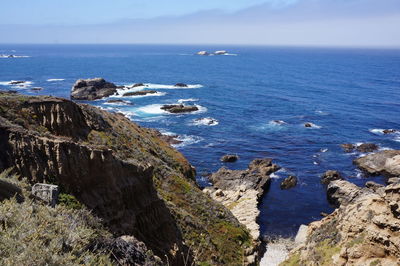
x: 119, y: 103
x: 274, y: 175
x: 377, y: 131
x: 25, y: 84
x: 187, y: 140
x: 228, y: 54
x: 275, y: 254
x: 14, y: 56
x: 158, y: 93
x: 152, y: 109
x: 172, y: 87
x: 321, y: 112
x: 324, y: 150
x: 187, y: 100
x: 206, y: 121
x: 55, y: 80
x: 277, y: 123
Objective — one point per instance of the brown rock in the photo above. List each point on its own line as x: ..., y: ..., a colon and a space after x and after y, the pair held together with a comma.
x: 139, y: 93
x: 367, y: 147
x: 92, y: 89
x: 229, y: 158
x: 289, y: 182
x: 179, y: 108
x: 348, y: 147
x: 380, y: 163
x: 330, y: 176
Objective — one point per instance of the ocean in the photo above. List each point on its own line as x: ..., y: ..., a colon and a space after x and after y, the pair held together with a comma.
x: 349, y: 96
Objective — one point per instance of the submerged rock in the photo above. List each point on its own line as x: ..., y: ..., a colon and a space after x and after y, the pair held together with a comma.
x: 17, y: 82
x: 308, y: 125
x: 36, y: 88
x: 289, y: 182
x: 182, y: 85
x: 348, y: 147
x: 330, y: 176
x: 381, y: 163
x: 179, y: 108
x: 229, y: 158
x: 139, y: 93
x: 138, y: 85
x: 389, y: 131
x: 92, y: 89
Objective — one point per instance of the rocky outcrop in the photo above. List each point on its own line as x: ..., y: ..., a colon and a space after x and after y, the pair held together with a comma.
x: 289, y: 182
x: 124, y: 173
x: 240, y: 190
x: 330, y: 176
x: 380, y: 163
x: 364, y: 230
x: 367, y: 147
x: 139, y: 93
x: 92, y: 89
x: 389, y: 131
x: 181, y: 85
x: 179, y: 108
x: 229, y: 158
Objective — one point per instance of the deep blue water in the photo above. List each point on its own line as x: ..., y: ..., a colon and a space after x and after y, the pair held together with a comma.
x: 346, y: 92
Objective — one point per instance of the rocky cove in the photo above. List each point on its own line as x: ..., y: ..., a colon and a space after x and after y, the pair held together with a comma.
x: 204, y: 226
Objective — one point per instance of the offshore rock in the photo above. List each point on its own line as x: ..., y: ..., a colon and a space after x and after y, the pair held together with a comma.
x: 92, y: 89
x: 229, y: 158
x: 330, y: 176
x: 289, y: 182
x: 139, y: 93
x: 179, y: 108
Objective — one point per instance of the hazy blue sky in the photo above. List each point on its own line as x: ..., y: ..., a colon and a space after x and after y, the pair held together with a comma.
x: 269, y: 22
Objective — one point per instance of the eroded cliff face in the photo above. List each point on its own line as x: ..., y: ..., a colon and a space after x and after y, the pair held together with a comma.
x: 364, y: 230
x: 130, y: 178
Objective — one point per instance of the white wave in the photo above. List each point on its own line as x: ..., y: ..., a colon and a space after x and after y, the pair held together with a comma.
x: 152, y: 109
x: 324, y: 150
x: 274, y: 175
x: 228, y: 54
x: 206, y: 121
x: 313, y: 126
x: 13, y: 56
x: 128, y: 114
x: 315, y: 163
x: 277, y: 122
x: 187, y: 100
x: 274, y: 255
x: 321, y: 112
x: 377, y: 131
x: 54, y: 80
x: 158, y: 93
x: 187, y: 140
x: 170, y: 87
x: 119, y: 103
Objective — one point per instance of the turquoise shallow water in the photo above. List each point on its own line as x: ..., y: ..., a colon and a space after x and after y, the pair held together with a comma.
x: 348, y: 94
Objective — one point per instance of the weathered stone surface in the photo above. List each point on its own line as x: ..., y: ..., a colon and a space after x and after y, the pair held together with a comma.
x: 383, y: 162
x: 124, y: 173
x: 139, y: 93
x: 92, y: 89
x: 330, y: 176
x: 240, y: 190
x: 229, y: 158
x: 46, y: 192
x: 342, y: 192
x: 367, y: 147
x: 348, y: 147
x: 364, y: 230
x: 289, y: 182
x: 179, y: 108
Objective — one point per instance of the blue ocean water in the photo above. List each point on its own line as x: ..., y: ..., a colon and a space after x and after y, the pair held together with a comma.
x: 348, y: 94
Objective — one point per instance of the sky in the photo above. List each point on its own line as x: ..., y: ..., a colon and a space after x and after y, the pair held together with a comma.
x: 360, y: 23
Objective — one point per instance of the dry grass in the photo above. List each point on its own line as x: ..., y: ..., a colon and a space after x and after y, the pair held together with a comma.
x: 34, y: 234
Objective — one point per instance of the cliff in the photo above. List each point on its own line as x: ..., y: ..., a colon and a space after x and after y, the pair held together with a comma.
x: 134, y: 181
x: 363, y: 230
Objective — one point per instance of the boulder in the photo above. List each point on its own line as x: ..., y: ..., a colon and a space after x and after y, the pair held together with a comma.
x: 389, y: 131
x: 307, y: 125
x: 137, y: 85
x: 367, y: 147
x: 381, y: 163
x: 17, y: 82
x: 330, y: 176
x: 92, y: 89
x: 182, y: 85
x: 289, y: 182
x: 139, y: 93
x: 373, y: 185
x: 229, y: 158
x: 179, y: 108
x: 348, y: 147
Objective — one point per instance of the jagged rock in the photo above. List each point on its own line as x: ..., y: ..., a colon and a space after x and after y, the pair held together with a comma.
x: 389, y: 131
x: 289, y: 182
x: 373, y: 185
x: 182, y: 85
x: 138, y: 85
x: 341, y: 192
x: 17, y: 82
x: 364, y: 230
x: 92, y: 89
x: 393, y: 180
x: 179, y: 108
x: 46, y: 192
x: 170, y: 139
x: 383, y: 162
x: 229, y: 158
x: 348, y: 147
x: 139, y: 93
x: 367, y: 147
x: 240, y: 190
x: 330, y: 176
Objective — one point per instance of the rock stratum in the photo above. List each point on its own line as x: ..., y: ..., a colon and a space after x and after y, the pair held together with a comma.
x: 363, y: 230
x: 134, y: 181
